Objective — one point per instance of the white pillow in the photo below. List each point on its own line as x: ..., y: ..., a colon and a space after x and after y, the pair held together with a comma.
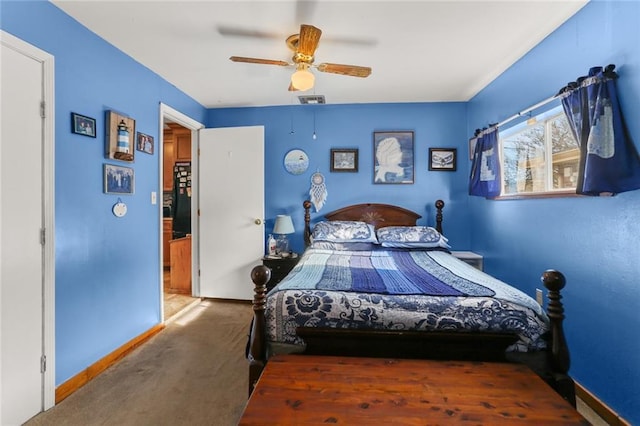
x: 342, y: 231
x: 411, y: 237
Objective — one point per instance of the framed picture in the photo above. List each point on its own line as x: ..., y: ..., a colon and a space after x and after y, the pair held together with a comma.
x: 120, y: 135
x: 442, y: 159
x: 83, y: 125
x: 145, y: 143
x: 393, y: 157
x: 344, y: 160
x: 118, y: 179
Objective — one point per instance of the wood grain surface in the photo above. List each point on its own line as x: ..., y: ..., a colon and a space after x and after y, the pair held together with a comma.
x: 307, y: 389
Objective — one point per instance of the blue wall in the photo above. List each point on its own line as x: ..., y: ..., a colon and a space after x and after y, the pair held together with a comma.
x: 352, y: 126
x: 107, y: 269
x: 593, y: 241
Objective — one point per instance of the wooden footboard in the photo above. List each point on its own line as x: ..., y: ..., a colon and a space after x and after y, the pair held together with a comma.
x: 552, y: 365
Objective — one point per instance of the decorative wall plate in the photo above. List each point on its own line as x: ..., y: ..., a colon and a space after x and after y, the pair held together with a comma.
x: 296, y: 161
x: 119, y: 209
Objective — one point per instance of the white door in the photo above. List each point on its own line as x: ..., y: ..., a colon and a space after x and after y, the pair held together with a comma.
x: 22, y: 225
x: 231, y: 205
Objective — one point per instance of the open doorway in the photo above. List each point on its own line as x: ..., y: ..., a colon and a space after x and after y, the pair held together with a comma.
x: 179, y: 288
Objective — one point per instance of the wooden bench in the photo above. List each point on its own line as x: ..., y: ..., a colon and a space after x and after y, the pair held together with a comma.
x: 305, y: 389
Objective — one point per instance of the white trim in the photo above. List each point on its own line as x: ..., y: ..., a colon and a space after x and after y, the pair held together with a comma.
x: 48, y: 174
x: 175, y: 116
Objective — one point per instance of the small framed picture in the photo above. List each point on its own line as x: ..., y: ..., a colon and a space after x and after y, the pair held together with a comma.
x: 393, y: 157
x: 118, y: 179
x: 442, y: 159
x: 145, y: 143
x: 344, y: 160
x: 83, y: 125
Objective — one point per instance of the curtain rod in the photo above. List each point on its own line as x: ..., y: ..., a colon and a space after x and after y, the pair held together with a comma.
x: 531, y: 108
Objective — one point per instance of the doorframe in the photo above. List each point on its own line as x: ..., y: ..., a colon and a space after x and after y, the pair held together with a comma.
x: 170, y: 114
x: 48, y: 201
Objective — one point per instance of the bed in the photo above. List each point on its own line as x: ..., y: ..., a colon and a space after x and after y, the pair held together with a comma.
x: 371, y: 282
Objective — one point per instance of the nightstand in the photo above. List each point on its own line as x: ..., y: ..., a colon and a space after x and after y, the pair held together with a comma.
x: 473, y: 259
x: 280, y: 267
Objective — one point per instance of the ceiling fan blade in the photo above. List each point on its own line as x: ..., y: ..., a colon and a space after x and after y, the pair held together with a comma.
x: 230, y: 31
x: 354, y: 41
x: 305, y: 10
x: 226, y: 30
x: 350, y: 70
x: 309, y: 39
x: 259, y: 61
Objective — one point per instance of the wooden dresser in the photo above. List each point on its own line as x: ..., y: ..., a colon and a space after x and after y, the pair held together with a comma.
x: 167, y: 235
x: 307, y: 389
x: 180, y: 249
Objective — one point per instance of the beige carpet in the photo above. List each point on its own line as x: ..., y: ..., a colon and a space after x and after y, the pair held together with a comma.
x: 192, y: 373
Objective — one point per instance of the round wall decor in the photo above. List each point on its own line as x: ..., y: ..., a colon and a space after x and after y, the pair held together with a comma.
x: 119, y: 209
x: 296, y: 161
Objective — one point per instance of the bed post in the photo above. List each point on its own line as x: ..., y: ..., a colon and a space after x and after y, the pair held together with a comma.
x: 439, y: 207
x: 257, y: 355
x: 307, y: 223
x: 559, y: 358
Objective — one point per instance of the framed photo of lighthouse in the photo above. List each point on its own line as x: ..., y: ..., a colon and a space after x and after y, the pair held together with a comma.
x: 120, y: 140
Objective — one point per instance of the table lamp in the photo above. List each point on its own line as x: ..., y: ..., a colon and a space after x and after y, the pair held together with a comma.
x: 282, y: 227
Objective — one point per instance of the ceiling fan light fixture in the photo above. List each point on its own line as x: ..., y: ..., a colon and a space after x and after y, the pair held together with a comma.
x: 303, y: 79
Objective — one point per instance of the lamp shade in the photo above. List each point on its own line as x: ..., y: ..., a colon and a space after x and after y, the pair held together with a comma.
x: 303, y: 79
x: 283, y: 225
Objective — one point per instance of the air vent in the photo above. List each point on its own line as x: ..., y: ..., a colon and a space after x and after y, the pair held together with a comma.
x: 311, y: 99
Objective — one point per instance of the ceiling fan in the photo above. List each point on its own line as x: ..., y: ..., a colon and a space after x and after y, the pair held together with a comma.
x: 304, y: 46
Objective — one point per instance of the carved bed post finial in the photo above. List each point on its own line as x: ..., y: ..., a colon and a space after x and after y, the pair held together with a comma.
x: 307, y: 223
x: 260, y: 275
x: 439, y: 207
x: 559, y: 358
x: 554, y: 281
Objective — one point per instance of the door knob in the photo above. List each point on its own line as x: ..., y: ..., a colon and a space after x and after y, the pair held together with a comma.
x: 258, y: 222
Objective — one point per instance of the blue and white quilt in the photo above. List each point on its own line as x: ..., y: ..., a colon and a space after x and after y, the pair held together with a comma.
x: 399, y: 290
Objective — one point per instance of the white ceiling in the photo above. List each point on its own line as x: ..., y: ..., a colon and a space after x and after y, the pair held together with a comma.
x: 420, y: 51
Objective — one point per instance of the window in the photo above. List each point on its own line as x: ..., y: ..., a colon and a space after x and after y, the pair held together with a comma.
x: 539, y: 156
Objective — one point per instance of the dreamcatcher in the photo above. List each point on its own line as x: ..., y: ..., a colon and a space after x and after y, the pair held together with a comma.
x: 318, y: 191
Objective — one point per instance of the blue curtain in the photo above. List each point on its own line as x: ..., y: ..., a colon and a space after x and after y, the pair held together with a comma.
x: 609, y: 161
x: 485, y: 168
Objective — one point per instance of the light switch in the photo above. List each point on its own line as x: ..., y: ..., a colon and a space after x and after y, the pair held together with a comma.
x: 154, y: 198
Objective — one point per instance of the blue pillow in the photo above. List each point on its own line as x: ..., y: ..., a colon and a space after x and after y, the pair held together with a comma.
x: 330, y: 245
x: 342, y: 231
x: 411, y: 237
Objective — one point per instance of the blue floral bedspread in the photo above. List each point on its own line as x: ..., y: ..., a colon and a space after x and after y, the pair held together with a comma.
x: 398, y: 290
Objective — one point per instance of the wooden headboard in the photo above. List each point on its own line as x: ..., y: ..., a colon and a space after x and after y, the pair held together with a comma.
x: 378, y: 215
